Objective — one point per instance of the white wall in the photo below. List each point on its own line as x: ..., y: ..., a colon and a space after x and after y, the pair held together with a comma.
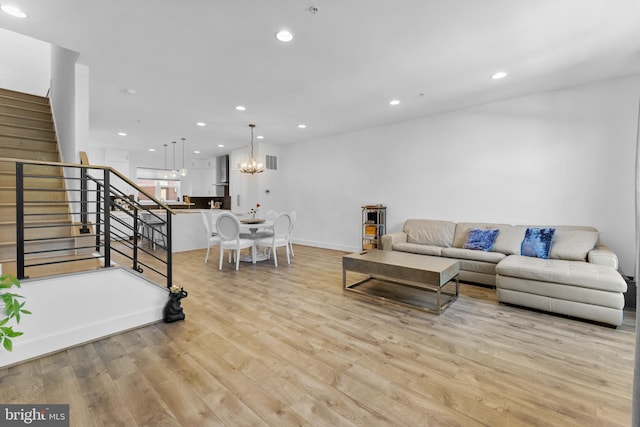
x: 25, y: 65
x: 563, y: 157
x: 63, y: 101
x: 264, y: 188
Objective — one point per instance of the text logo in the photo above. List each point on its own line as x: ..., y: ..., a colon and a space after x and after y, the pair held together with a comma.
x: 34, y: 415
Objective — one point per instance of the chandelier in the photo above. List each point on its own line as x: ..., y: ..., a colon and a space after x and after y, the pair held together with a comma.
x: 251, y: 165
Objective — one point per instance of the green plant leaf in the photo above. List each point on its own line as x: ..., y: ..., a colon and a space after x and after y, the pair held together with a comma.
x: 7, y: 344
x: 14, y: 334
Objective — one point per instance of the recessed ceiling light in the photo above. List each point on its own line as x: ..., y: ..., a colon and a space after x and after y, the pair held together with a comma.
x: 152, y: 149
x: 202, y: 124
x: 13, y: 11
x: 122, y: 133
x: 284, y: 36
x: 196, y: 151
x: 302, y: 126
x: 220, y: 145
x: 260, y: 137
x: 499, y: 75
x: 394, y: 102
x: 241, y: 108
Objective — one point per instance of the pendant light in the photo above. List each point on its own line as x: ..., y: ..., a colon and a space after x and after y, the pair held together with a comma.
x: 251, y: 165
x: 183, y: 171
x: 165, y: 172
x: 174, y: 171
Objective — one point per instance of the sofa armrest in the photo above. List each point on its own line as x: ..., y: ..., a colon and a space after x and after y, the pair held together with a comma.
x: 602, y: 255
x: 388, y: 240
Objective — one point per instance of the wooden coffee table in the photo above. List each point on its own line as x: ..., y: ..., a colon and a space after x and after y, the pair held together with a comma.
x: 403, y: 270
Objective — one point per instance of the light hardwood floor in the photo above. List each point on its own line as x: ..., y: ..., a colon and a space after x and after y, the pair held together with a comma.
x: 286, y: 347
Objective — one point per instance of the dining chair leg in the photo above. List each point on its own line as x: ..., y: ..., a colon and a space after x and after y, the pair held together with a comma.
x: 206, y: 257
x: 275, y: 256
x: 288, y: 257
x: 291, y: 247
x: 221, y: 256
x: 237, y: 252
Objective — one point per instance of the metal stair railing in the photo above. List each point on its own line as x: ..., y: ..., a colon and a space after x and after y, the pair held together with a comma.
x: 108, y: 222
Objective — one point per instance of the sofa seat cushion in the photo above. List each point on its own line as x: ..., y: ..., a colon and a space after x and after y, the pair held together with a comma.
x: 478, y: 267
x: 471, y: 254
x: 418, y: 248
x: 430, y: 232
x: 567, y: 292
x: 576, y: 273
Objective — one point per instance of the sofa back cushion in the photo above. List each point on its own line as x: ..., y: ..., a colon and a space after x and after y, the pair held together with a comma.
x: 430, y: 232
x: 573, y: 244
x: 462, y: 231
x: 509, y: 239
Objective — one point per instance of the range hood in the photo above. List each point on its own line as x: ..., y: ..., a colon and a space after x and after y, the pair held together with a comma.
x: 222, y: 170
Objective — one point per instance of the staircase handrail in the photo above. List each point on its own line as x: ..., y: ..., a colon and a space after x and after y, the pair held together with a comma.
x: 76, y: 165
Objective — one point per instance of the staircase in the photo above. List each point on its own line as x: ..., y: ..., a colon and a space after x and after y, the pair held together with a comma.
x: 27, y: 133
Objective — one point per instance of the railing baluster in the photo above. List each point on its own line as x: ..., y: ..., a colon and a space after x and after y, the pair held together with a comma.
x: 20, y: 220
x: 169, y: 257
x: 107, y: 219
x: 98, y: 216
x: 135, y: 238
x: 83, y: 201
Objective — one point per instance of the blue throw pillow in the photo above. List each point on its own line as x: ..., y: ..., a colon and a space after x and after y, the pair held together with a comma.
x: 537, y: 242
x: 481, y: 240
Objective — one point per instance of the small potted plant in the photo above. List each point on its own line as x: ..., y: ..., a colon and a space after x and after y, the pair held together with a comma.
x: 10, y: 308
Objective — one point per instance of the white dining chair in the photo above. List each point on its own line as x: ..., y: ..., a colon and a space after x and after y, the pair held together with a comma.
x: 228, y: 228
x: 293, y: 221
x: 212, y: 238
x: 280, y: 238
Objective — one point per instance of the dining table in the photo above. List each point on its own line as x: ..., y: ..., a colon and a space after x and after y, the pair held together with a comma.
x: 255, y: 228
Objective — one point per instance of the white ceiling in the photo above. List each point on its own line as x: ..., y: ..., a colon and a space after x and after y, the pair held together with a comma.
x: 195, y: 60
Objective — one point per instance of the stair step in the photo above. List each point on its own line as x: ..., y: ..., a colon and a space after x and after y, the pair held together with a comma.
x: 26, y: 154
x: 55, y: 211
x: 7, y: 166
x: 8, y: 249
x: 27, y: 105
x: 37, y: 230
x: 27, y: 122
x: 7, y: 129
x: 23, y: 112
x: 8, y: 195
x: 17, y: 142
x: 12, y: 94
x: 9, y: 267
x: 8, y: 179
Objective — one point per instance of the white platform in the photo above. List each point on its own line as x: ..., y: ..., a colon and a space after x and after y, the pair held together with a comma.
x: 79, y: 308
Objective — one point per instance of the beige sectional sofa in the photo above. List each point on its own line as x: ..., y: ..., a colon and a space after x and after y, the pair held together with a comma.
x: 580, y: 277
